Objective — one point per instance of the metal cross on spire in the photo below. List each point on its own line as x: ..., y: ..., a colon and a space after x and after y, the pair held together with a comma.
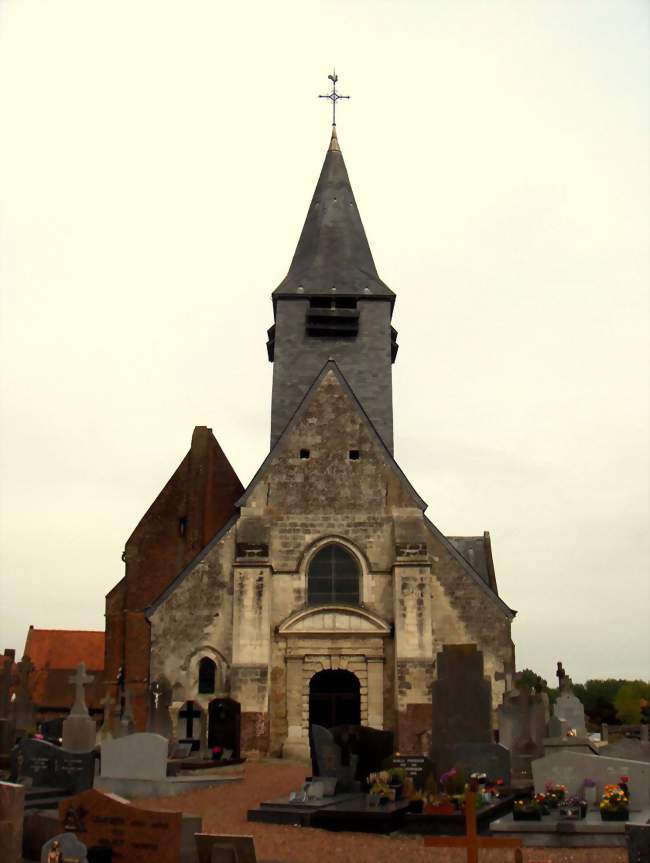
x: 333, y: 96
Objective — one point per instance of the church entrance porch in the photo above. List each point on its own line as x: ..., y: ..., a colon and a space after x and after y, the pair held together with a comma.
x: 334, y: 699
x: 224, y: 723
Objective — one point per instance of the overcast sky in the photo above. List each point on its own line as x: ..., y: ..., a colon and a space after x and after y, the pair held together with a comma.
x: 156, y: 164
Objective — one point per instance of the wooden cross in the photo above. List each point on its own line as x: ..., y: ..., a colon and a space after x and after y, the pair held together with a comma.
x: 472, y: 841
x: 79, y: 680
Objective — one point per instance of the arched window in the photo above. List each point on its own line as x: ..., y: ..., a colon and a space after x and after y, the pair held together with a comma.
x: 333, y: 577
x: 207, y: 676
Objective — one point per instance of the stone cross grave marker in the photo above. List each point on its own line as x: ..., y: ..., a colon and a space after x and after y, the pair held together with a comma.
x: 80, y: 679
x: 79, y: 730
x: 106, y: 730
x: 127, y: 722
x: 471, y: 840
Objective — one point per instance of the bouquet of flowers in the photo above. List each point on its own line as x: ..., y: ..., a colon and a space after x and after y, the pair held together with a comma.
x: 555, y: 793
x: 614, y: 804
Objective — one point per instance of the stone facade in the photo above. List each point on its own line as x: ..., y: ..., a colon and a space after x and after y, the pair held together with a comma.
x: 244, y: 602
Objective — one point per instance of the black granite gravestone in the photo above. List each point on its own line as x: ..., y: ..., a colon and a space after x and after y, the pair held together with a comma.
x: 327, y: 760
x: 417, y: 767
x: 52, y: 767
x: 489, y: 758
x: 370, y: 745
x: 462, y: 702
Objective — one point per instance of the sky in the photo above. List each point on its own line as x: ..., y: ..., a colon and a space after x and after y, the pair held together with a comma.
x: 156, y: 164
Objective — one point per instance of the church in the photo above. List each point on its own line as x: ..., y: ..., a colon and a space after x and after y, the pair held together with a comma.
x: 321, y: 592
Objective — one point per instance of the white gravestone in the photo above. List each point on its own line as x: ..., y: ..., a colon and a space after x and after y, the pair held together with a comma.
x: 569, y: 709
x: 136, y: 756
x: 572, y: 768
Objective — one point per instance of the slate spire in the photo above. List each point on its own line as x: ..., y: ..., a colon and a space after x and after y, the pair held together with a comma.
x: 333, y: 256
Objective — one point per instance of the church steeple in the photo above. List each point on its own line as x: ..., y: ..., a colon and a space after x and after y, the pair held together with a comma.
x: 333, y: 305
x: 333, y: 255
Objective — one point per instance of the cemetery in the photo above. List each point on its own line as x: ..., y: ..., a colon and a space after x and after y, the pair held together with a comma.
x: 305, y: 668
x: 546, y: 784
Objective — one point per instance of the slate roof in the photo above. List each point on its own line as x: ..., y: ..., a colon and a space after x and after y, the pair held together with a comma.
x: 333, y: 251
x: 477, y: 551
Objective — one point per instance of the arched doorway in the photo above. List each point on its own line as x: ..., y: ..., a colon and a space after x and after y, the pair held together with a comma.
x: 223, y: 724
x: 334, y: 699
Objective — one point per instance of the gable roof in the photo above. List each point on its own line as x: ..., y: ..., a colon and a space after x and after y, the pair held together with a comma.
x: 55, y: 654
x: 65, y: 648
x: 331, y: 367
x: 333, y: 251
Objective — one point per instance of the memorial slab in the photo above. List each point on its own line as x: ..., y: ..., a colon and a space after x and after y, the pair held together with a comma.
x: 213, y: 848
x: 572, y: 768
x: 49, y: 766
x: 134, y: 835
x: 489, y: 758
x: 12, y: 806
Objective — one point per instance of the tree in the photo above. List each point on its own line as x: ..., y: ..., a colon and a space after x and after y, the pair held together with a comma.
x: 528, y: 679
x: 630, y: 699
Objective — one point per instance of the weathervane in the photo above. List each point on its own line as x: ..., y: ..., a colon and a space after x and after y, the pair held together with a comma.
x: 333, y: 96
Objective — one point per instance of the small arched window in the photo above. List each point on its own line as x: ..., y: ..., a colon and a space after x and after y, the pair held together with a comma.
x: 333, y: 577
x: 207, y: 676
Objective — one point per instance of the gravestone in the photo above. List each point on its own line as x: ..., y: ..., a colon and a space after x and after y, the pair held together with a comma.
x: 638, y: 842
x: 22, y: 709
x: 572, y: 768
x: 182, y: 750
x: 79, y: 730
x: 160, y: 721
x: 567, y: 709
x: 213, y: 848
x: 462, y: 702
x: 106, y: 730
x: 72, y: 850
x: 135, y: 835
x: 327, y: 759
x: 127, y: 721
x: 12, y: 806
x: 371, y: 746
x: 522, y: 729
x: 489, y: 758
x: 418, y: 768
x: 7, y: 726
x: 136, y: 756
x: 49, y: 766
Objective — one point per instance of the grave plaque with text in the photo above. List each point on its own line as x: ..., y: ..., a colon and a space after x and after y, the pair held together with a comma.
x: 135, y: 835
x: 49, y: 766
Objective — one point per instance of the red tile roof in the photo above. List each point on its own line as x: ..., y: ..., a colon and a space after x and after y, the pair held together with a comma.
x: 65, y: 648
x: 55, y: 654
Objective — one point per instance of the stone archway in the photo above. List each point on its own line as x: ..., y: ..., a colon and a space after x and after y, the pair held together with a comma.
x: 334, y: 698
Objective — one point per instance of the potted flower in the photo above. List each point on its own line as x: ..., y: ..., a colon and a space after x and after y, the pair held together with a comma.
x: 614, y: 805
x: 573, y: 808
x: 527, y: 809
x: 555, y: 794
x: 396, y: 777
x: 439, y: 804
x: 589, y: 791
x: 622, y: 784
x: 379, y: 790
x: 216, y: 753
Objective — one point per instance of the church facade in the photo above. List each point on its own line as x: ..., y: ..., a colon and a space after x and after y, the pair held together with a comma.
x: 321, y: 592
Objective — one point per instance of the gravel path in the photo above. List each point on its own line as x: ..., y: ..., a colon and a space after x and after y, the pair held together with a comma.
x: 224, y: 808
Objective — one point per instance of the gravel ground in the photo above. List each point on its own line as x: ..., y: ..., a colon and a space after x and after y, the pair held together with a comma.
x: 224, y: 808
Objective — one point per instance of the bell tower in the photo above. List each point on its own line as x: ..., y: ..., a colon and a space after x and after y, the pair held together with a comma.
x: 333, y: 305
